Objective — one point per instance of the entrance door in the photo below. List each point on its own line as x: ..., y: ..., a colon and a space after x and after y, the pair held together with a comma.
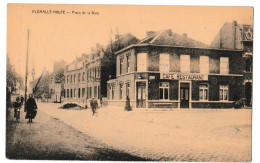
x: 141, y: 94
x: 184, y: 95
x: 248, y: 93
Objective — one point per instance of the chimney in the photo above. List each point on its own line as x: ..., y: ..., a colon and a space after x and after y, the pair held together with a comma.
x: 235, y: 23
x: 117, y: 36
x: 149, y: 33
x: 169, y: 31
x: 185, y: 34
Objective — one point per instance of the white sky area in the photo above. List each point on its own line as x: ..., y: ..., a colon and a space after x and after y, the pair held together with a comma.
x: 63, y: 37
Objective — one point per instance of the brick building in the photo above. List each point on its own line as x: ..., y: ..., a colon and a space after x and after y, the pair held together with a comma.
x: 240, y: 37
x: 166, y: 69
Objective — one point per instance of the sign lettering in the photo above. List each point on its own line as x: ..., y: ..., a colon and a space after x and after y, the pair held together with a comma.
x: 180, y: 76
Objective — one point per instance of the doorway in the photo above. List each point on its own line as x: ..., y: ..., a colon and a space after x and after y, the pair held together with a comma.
x: 141, y: 94
x: 248, y: 93
x: 184, y: 95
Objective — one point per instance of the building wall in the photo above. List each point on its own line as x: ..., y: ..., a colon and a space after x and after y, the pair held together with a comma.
x: 215, y: 79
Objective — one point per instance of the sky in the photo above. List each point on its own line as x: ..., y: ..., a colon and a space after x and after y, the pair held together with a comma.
x: 55, y: 37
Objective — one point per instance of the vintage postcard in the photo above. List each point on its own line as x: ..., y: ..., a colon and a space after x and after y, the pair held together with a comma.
x: 129, y: 83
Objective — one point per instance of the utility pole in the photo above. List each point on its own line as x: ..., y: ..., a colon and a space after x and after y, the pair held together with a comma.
x: 26, y: 73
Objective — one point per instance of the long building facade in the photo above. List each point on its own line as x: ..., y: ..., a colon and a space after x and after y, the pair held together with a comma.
x: 166, y: 69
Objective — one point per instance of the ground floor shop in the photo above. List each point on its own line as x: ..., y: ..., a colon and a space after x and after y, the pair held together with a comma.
x: 175, y: 90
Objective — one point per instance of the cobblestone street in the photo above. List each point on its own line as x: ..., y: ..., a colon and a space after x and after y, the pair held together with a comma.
x: 47, y: 138
x: 177, y: 135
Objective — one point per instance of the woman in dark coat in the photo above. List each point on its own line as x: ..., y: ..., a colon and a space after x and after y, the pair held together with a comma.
x: 31, y: 109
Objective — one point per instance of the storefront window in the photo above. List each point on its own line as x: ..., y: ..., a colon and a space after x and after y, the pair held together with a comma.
x: 223, y: 92
x: 164, y: 90
x: 203, y: 92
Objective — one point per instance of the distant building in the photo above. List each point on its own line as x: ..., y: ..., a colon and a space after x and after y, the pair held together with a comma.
x: 166, y: 69
x: 75, y: 81
x: 239, y: 37
x: 56, y: 83
x: 86, y: 78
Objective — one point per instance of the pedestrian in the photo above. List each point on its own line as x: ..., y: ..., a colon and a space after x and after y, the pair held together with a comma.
x: 17, y: 105
x: 31, y: 109
x: 93, y: 105
x: 22, y: 99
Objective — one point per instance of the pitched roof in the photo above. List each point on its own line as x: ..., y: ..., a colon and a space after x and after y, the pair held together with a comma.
x: 167, y: 37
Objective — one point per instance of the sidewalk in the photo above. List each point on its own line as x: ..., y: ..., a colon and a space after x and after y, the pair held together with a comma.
x: 176, y: 135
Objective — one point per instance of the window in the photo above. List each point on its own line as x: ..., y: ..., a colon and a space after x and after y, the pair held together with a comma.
x: 164, y: 62
x: 83, y: 92
x: 108, y: 90
x: 141, y: 62
x: 70, y: 78
x: 120, y: 91
x: 79, y: 76
x: 203, y: 91
x: 83, y: 76
x: 68, y: 93
x: 249, y: 64
x: 204, y: 64
x: 98, y: 92
x: 74, y: 78
x: 88, y: 75
x: 95, y: 73
x: 90, y: 92
x: 121, y: 66
x: 223, y: 92
x: 79, y: 93
x: 74, y: 93
x: 127, y: 89
x: 224, y: 65
x: 64, y: 93
x: 87, y: 92
x: 164, y: 90
x: 127, y: 63
x: 95, y: 91
x: 113, y: 92
x: 185, y: 63
x: 71, y: 93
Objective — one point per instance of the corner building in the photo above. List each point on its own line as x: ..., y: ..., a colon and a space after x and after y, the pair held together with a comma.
x: 166, y: 69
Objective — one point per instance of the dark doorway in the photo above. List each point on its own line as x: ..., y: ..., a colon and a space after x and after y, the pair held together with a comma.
x: 141, y: 94
x: 248, y: 93
x: 184, y: 95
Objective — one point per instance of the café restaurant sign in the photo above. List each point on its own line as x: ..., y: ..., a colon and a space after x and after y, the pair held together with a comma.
x: 182, y: 76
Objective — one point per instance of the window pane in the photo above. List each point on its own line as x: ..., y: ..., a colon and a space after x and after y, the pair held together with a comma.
x: 220, y: 94
x: 181, y: 94
x: 166, y: 93
x: 205, y: 94
x: 201, y: 94
x: 186, y: 94
x: 161, y: 93
x: 225, y: 94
